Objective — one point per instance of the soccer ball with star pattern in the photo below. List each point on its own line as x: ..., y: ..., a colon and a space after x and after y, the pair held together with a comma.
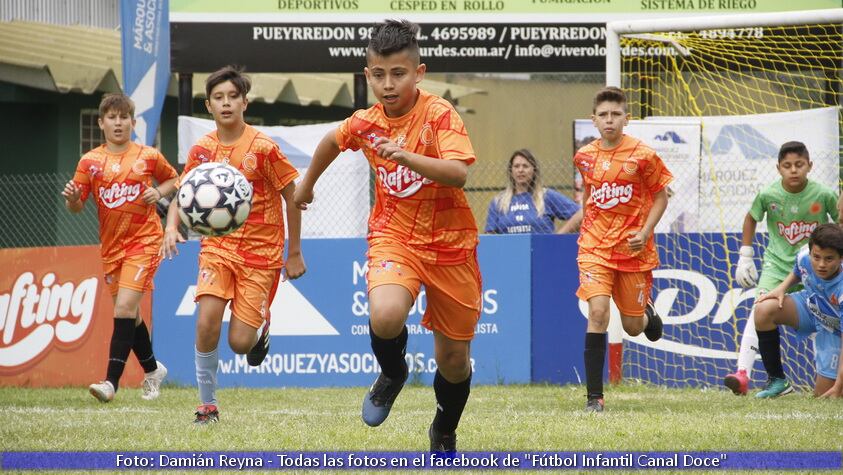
x: 214, y: 199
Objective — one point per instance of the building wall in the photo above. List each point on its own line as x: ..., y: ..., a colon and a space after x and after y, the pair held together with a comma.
x: 97, y: 13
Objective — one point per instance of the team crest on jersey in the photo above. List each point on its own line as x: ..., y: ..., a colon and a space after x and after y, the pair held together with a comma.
x: 834, y: 300
x: 206, y: 276
x: 402, y: 181
x: 796, y: 231
x: 630, y: 166
x: 139, y: 167
x: 612, y: 194
x: 815, y: 208
x: 426, y: 136
x: 250, y: 162
x: 94, y: 171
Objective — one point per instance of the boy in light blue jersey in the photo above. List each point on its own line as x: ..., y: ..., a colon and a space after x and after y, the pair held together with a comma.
x: 815, y: 309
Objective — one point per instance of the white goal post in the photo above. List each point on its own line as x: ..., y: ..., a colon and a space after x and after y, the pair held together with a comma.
x: 615, y: 29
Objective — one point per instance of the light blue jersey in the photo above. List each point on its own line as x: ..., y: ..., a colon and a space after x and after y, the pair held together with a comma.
x: 819, y: 312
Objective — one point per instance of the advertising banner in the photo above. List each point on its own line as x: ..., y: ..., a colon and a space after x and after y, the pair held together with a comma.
x: 456, y: 35
x: 145, y: 27
x: 703, y: 316
x: 56, y: 318
x: 341, y: 192
x: 740, y: 154
x: 319, y: 325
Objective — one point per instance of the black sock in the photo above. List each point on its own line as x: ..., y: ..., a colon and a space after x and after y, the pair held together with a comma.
x: 769, y: 345
x: 595, y: 357
x: 142, y: 347
x: 450, y: 402
x: 121, y: 343
x: 390, y: 353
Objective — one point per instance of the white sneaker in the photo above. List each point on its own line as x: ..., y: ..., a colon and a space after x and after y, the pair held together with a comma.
x: 103, y: 391
x: 152, y: 382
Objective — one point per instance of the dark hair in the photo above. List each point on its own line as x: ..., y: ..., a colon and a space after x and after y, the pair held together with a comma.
x: 609, y: 94
x: 798, y: 148
x: 228, y: 73
x: 117, y: 101
x: 393, y: 36
x: 827, y: 236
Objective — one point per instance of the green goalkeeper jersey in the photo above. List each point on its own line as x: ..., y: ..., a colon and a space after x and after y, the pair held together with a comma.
x: 791, y: 218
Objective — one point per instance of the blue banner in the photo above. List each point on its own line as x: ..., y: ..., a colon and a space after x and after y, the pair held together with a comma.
x: 146, y: 61
x: 320, y: 332
x: 703, y: 309
x: 805, y: 461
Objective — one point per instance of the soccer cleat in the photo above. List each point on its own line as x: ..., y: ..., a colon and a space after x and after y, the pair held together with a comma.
x: 594, y: 404
x: 775, y: 387
x: 258, y: 352
x: 103, y: 391
x: 378, y: 401
x: 442, y: 442
x: 152, y: 382
x: 207, y: 413
x: 654, y: 323
x: 738, y: 382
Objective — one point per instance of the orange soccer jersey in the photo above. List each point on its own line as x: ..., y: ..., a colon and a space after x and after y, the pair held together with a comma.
x: 434, y: 221
x: 128, y: 226
x: 259, y: 242
x: 621, y: 182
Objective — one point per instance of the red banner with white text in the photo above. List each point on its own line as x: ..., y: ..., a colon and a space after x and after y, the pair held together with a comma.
x: 56, y: 318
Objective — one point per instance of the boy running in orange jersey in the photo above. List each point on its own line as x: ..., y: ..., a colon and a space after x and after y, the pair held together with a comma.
x: 243, y: 267
x: 625, y: 196
x: 421, y: 229
x: 119, y: 174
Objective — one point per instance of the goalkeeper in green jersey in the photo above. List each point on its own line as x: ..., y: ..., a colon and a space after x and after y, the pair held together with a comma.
x: 794, y: 207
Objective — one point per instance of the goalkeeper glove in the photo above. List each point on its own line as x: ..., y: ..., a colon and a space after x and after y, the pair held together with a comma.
x: 746, y: 274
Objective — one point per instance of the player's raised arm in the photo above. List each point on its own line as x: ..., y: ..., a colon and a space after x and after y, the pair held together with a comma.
x: 323, y: 156
x: 446, y: 172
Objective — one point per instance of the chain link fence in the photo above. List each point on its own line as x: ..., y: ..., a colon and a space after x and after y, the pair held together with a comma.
x: 524, y: 111
x: 37, y: 216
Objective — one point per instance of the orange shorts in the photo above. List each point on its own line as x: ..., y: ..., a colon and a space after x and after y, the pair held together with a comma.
x: 629, y: 290
x: 132, y: 272
x: 452, y: 292
x: 250, y: 290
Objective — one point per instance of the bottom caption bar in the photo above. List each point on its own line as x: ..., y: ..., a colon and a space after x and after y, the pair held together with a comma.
x: 421, y: 460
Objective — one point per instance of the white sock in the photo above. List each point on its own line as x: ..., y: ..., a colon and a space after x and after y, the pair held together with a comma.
x: 749, y: 347
x: 206, y: 375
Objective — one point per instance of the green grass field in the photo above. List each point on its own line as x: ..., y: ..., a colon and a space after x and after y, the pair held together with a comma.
x: 497, y: 418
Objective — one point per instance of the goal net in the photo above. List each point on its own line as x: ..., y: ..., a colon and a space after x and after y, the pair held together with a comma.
x: 753, y: 82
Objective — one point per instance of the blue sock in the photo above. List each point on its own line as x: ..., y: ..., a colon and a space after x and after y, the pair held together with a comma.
x: 206, y: 375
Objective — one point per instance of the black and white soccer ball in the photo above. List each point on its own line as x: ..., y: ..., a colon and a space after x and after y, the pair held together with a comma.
x: 214, y: 199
